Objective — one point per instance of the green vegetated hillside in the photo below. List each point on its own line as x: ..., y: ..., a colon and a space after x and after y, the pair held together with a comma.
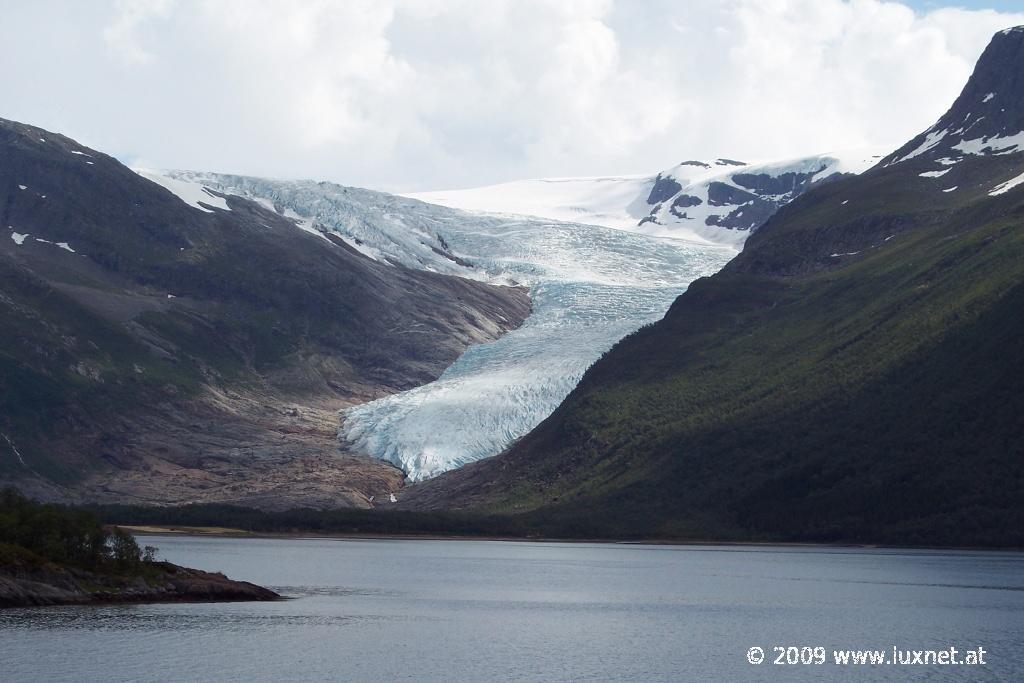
x: 856, y: 374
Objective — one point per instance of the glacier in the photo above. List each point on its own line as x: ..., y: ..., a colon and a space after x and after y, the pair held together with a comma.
x: 590, y: 286
x: 611, y: 201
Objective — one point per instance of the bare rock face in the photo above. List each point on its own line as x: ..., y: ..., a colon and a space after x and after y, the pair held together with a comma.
x: 664, y: 188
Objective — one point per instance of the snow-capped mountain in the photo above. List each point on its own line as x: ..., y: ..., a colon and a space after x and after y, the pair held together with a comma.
x: 589, y: 286
x: 987, y: 117
x: 715, y: 202
x: 725, y: 200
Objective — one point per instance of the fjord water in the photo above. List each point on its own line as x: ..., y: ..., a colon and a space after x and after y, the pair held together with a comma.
x: 382, y: 610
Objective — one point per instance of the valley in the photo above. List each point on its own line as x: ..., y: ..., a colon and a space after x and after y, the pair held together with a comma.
x: 590, y: 283
x: 298, y: 343
x: 589, y: 287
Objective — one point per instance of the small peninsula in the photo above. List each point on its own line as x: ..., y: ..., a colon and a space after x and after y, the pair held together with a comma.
x: 50, y: 555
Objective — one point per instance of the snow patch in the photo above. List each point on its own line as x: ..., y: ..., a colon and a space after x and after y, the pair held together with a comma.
x: 1007, y: 186
x: 304, y: 223
x: 951, y: 189
x: 994, y: 145
x: 22, y: 187
x: 65, y: 246
x: 934, y: 174
x: 18, y: 237
x: 192, y: 193
x: 14, y: 448
x: 83, y: 154
x: 988, y: 97
x: 930, y: 141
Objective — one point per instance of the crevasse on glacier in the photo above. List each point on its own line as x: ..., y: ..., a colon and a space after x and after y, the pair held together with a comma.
x: 590, y: 287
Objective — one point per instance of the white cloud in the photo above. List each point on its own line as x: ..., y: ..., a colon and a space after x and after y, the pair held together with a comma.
x: 422, y: 94
x: 122, y: 34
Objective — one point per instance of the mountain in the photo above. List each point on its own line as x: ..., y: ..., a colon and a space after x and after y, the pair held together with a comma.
x: 590, y: 284
x: 727, y: 200
x: 165, y: 342
x: 985, y: 120
x: 717, y: 202
x: 855, y: 374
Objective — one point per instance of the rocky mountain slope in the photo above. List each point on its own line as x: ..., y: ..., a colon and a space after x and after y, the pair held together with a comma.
x: 855, y: 374
x: 181, y: 344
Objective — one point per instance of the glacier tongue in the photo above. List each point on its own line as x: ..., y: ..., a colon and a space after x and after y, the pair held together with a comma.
x: 590, y: 286
x: 499, y: 391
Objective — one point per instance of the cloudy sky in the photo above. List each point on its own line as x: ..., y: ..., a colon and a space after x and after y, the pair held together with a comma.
x: 438, y: 94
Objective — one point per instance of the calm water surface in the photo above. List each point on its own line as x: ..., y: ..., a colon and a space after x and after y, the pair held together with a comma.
x: 368, y: 610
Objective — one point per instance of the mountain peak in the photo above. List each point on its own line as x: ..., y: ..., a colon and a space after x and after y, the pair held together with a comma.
x: 988, y: 116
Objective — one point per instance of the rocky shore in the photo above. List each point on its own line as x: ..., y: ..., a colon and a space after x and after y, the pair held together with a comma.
x: 23, y: 584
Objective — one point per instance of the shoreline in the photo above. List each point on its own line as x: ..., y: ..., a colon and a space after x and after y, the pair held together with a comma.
x: 171, y: 531
x: 47, y: 584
